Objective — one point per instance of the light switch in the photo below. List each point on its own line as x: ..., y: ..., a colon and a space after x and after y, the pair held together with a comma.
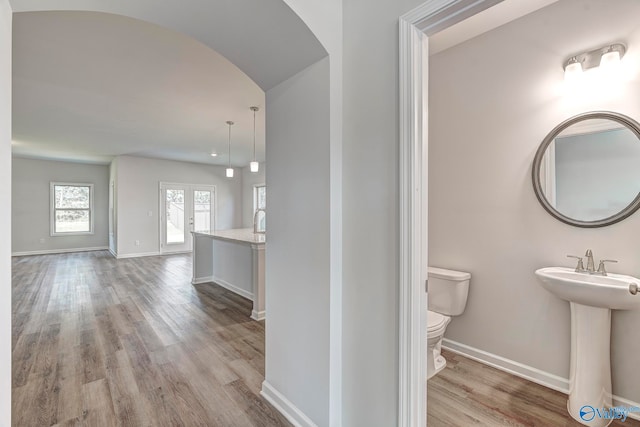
x: 150, y: 213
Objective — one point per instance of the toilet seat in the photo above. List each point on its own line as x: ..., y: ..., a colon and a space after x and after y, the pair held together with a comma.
x: 436, y: 323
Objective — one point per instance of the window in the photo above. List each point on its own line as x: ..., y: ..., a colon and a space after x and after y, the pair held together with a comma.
x: 259, y: 197
x: 260, y: 202
x: 71, y: 209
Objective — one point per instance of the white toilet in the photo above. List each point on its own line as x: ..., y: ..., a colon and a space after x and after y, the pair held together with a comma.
x: 448, y: 292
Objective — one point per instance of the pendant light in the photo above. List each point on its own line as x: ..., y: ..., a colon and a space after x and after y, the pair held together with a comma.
x: 229, y: 168
x: 254, y: 166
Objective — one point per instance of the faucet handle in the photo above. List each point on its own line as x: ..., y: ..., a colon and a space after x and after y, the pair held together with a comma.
x: 588, y: 253
x: 580, y: 267
x: 601, y: 269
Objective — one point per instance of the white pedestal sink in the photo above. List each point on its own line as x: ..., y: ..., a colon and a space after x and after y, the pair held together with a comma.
x: 591, y: 298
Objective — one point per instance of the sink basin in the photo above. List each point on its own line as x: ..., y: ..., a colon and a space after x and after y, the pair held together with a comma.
x: 591, y: 299
x: 610, y: 291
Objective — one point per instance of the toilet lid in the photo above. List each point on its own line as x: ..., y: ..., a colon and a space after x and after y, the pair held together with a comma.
x: 435, y: 320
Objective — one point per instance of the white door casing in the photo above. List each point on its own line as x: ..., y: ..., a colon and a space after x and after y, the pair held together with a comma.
x: 415, y: 27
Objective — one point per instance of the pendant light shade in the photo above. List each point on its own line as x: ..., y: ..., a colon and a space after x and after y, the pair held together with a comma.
x: 254, y: 166
x: 229, y: 168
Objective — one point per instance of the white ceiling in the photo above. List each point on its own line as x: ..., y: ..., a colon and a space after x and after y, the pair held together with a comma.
x: 89, y: 86
x: 503, y: 12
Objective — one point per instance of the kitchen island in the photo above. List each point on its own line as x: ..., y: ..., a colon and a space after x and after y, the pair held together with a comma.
x: 233, y: 259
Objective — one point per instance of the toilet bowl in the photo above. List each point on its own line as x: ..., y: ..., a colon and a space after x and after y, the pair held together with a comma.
x: 448, y: 291
x: 436, y: 325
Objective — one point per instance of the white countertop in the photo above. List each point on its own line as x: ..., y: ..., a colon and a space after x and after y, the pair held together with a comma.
x: 244, y: 235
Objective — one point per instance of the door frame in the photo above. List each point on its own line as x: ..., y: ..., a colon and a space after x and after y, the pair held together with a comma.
x: 415, y: 28
x: 161, y: 213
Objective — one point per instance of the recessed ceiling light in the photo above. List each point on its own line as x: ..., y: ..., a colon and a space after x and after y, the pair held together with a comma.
x: 214, y: 154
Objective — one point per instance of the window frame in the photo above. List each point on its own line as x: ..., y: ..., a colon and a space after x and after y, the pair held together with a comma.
x: 255, y: 196
x: 53, y: 209
x: 256, y: 188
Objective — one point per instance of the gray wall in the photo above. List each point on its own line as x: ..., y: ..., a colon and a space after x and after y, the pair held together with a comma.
x: 297, y: 252
x: 492, y: 101
x: 249, y: 180
x: 138, y: 187
x: 370, y: 211
x: 31, y: 210
x: 5, y: 214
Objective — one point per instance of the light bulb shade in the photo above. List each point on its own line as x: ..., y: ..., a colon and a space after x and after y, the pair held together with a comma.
x: 610, y: 60
x: 572, y: 71
x: 254, y: 166
x: 229, y: 172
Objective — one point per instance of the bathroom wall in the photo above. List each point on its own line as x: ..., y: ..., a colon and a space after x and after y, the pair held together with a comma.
x: 492, y: 101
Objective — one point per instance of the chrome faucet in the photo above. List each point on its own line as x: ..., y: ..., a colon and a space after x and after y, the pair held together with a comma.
x: 591, y: 268
x: 255, y: 221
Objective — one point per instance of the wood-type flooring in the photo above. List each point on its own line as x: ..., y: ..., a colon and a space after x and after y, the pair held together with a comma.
x: 469, y: 393
x: 105, y: 342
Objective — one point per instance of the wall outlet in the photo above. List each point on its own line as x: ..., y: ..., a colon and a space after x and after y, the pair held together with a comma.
x: 42, y: 240
x: 137, y: 242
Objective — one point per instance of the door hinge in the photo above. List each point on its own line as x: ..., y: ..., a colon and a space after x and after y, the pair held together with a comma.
x: 426, y: 285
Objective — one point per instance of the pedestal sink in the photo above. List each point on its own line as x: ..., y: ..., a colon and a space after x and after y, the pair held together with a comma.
x: 591, y: 297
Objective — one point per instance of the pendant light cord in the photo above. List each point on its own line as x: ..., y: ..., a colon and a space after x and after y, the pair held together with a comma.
x: 229, y: 123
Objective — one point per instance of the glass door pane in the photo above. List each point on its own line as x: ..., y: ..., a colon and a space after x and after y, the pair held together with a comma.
x: 202, y: 208
x: 175, y: 217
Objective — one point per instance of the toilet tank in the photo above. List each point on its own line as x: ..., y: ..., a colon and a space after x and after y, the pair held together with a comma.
x: 448, y: 290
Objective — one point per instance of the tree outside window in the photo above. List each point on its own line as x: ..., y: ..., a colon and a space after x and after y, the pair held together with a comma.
x: 71, y: 209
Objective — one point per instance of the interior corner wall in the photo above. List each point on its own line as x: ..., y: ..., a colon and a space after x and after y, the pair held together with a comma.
x: 297, y: 254
x: 5, y: 214
x: 492, y: 101
x: 250, y: 180
x: 30, y: 208
x: 113, y: 207
x: 370, y: 211
x: 138, y: 190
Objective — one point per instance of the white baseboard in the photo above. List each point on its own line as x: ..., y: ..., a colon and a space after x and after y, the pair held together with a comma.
x: 524, y: 371
x: 233, y: 288
x: 174, y: 252
x: 258, y: 315
x: 200, y: 280
x: 114, y: 253
x: 285, y: 407
x: 137, y: 255
x: 60, y: 251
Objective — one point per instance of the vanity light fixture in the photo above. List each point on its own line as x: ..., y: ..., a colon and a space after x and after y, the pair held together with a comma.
x: 229, y: 168
x: 214, y: 154
x: 607, y: 58
x: 572, y: 69
x: 254, y: 166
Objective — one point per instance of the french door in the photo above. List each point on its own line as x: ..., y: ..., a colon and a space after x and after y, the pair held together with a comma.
x: 184, y: 208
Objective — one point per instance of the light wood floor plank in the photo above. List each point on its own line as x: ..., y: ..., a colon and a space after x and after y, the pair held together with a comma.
x: 469, y: 393
x: 105, y: 342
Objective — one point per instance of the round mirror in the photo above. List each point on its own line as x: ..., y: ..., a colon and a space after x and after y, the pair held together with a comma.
x: 587, y: 170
